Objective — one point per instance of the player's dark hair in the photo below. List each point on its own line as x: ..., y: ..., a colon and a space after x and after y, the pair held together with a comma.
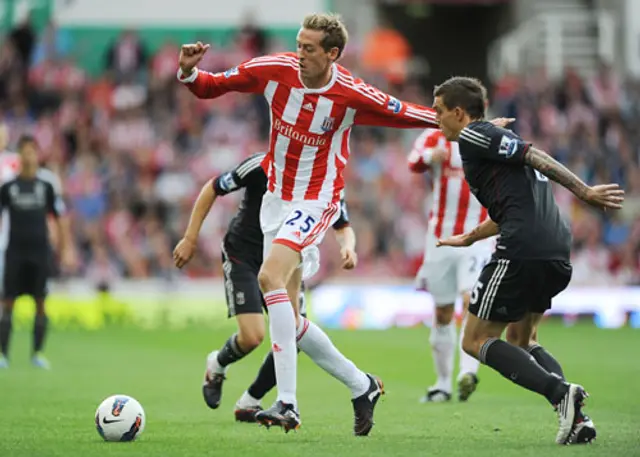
x: 335, y: 32
x: 463, y: 92
x: 25, y: 140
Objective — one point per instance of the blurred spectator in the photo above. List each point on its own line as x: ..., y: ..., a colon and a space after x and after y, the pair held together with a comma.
x: 23, y: 37
x: 52, y: 44
x: 386, y: 51
x: 127, y: 57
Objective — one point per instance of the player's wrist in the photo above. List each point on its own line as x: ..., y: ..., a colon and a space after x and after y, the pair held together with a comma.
x: 187, y: 74
x: 190, y: 239
x: 470, y: 238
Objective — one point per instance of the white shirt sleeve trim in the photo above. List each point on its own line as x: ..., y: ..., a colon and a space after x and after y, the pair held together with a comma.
x: 191, y: 78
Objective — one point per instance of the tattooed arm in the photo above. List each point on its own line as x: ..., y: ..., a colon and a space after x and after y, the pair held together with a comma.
x: 603, y: 196
x: 555, y: 171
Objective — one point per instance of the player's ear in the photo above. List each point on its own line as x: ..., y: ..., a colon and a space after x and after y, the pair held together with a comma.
x: 333, y: 53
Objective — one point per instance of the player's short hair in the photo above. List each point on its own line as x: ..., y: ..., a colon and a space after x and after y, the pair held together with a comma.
x: 335, y: 32
x: 464, y: 92
x: 25, y: 140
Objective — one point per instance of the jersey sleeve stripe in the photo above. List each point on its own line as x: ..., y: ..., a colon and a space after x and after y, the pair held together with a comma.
x: 250, y: 165
x: 270, y: 64
x: 273, y: 58
x: 473, y: 140
x: 478, y: 135
x: 421, y: 115
x: 374, y: 95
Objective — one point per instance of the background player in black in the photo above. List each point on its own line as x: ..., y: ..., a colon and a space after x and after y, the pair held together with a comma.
x: 242, y: 257
x: 25, y: 202
x: 531, y: 263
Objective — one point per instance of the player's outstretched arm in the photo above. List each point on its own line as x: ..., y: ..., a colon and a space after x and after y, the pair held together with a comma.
x: 377, y: 108
x: 602, y: 196
x: 186, y: 247
x: 487, y: 229
x: 243, y: 78
x: 346, y: 238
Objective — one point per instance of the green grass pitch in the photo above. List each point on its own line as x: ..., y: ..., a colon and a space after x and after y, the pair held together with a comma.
x: 51, y: 413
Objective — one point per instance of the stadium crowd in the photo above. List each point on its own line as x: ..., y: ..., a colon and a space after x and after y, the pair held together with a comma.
x: 133, y: 148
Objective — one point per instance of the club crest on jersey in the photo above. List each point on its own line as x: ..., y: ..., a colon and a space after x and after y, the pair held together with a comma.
x: 231, y: 72
x: 394, y: 105
x: 327, y: 124
x: 508, y: 146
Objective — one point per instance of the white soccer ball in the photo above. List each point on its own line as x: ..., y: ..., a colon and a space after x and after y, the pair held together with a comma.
x: 120, y: 418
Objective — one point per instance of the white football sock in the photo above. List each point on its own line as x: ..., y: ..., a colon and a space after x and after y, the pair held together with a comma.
x: 317, y: 345
x: 247, y: 401
x: 282, y: 328
x: 468, y: 364
x: 443, y: 344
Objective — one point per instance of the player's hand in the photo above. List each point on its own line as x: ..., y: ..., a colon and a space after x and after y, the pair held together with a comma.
x: 68, y: 260
x: 349, y: 258
x: 605, y: 196
x: 457, y: 241
x: 502, y: 121
x: 191, y: 55
x: 439, y: 155
x: 183, y: 252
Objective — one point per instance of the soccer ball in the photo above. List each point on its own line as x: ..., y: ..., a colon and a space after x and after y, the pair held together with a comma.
x: 120, y: 418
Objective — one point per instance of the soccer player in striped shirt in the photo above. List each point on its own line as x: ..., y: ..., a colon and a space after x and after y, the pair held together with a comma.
x: 242, y: 257
x: 314, y: 103
x: 448, y: 272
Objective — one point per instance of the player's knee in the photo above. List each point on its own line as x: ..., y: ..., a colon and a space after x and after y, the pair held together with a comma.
x: 270, y: 280
x: 444, y: 314
x: 251, y: 341
x: 471, y: 345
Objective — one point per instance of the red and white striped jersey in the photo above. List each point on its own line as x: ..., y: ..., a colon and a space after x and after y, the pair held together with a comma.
x: 310, y: 128
x: 454, y: 210
x: 9, y: 165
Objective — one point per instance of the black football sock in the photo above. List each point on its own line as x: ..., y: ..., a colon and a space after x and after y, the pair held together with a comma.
x: 230, y: 352
x: 5, y: 332
x: 520, y: 367
x: 546, y: 360
x: 40, y: 325
x: 266, y: 379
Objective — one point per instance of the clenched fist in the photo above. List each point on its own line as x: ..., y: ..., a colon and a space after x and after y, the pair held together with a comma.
x: 191, y: 55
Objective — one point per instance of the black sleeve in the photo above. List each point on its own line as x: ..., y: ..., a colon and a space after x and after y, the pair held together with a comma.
x: 343, y: 220
x: 4, y: 197
x: 486, y: 141
x: 241, y: 176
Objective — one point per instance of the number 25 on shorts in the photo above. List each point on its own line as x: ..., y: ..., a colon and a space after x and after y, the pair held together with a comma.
x: 298, y: 218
